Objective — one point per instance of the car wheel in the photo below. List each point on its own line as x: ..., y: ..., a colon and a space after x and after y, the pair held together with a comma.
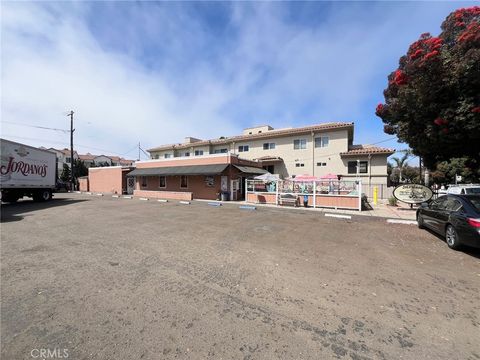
x: 451, y: 237
x: 420, y: 222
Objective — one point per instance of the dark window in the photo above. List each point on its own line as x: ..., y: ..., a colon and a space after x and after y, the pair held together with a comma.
x: 268, y: 146
x: 439, y: 204
x: 270, y: 168
x: 183, y: 181
x: 300, y: 144
x: 321, y: 164
x: 198, y: 152
x: 352, y: 167
x: 453, y: 205
x: 162, y: 182
x: 299, y: 164
x: 220, y: 151
x: 144, y: 181
x: 187, y: 154
x: 321, y: 141
x: 243, y: 148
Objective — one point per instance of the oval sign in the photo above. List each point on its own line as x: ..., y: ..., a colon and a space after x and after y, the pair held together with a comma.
x: 412, y: 193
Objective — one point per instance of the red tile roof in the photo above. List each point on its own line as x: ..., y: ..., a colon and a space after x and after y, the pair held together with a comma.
x: 366, y: 150
x: 265, y: 135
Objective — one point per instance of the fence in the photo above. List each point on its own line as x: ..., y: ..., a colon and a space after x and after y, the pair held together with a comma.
x: 383, y: 191
x: 320, y: 193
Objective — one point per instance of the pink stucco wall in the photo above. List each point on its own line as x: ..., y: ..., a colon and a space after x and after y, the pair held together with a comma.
x: 106, y: 180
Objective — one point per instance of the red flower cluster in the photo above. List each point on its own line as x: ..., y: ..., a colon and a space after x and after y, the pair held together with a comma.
x: 476, y: 109
x: 379, y: 109
x: 440, y: 122
x: 399, y: 78
x: 426, y: 47
x: 471, y: 33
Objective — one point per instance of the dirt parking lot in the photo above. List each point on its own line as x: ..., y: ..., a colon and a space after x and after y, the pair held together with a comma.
x: 109, y: 278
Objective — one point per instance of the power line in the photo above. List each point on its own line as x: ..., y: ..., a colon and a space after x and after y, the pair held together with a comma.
x: 36, y: 126
x: 61, y: 143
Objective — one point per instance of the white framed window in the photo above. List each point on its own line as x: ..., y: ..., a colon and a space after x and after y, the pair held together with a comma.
x: 321, y: 141
x: 167, y: 156
x: 184, y: 181
x: 220, y: 151
x: 268, y: 146
x: 144, y: 181
x: 299, y: 144
x: 162, y: 182
x: 299, y: 165
x: 198, y: 152
x: 186, y: 154
x: 321, y: 164
x: 243, y: 148
x: 156, y: 156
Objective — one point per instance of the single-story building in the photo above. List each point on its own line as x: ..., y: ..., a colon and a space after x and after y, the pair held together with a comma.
x: 109, y: 179
x: 187, y: 178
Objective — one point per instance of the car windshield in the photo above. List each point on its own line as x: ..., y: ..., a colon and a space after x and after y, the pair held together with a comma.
x: 472, y: 190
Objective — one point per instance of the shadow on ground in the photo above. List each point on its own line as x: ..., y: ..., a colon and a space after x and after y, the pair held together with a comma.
x: 15, y: 211
x: 474, y: 252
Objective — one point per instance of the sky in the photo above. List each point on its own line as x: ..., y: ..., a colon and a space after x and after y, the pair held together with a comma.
x: 156, y: 72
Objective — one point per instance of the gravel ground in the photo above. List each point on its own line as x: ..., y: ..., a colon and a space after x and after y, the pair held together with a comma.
x: 105, y: 278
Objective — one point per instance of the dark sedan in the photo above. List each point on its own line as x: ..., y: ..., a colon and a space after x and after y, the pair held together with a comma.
x: 456, y: 217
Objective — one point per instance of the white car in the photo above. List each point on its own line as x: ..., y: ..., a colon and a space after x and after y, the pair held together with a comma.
x: 469, y: 189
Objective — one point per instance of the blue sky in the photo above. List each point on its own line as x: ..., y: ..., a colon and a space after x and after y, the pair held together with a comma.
x: 157, y: 72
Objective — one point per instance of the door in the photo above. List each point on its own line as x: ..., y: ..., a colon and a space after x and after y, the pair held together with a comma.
x: 429, y: 213
x: 130, y: 184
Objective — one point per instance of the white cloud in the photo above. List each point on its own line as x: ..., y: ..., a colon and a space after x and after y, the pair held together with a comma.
x: 156, y: 73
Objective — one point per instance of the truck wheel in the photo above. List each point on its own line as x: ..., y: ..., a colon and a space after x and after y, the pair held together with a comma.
x: 43, y: 195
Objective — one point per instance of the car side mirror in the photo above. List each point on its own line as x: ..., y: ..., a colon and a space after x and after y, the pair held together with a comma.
x: 424, y: 205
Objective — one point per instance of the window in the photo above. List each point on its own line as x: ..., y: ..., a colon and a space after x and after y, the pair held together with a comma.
x: 198, y: 152
x: 67, y: 159
x: 270, y: 168
x: 321, y: 164
x: 156, y: 156
x: 220, y: 151
x: 299, y: 165
x: 183, y: 181
x: 144, y: 181
x: 186, y: 154
x: 268, y: 146
x: 167, y: 156
x: 300, y: 144
x: 162, y: 182
x: 321, y: 141
x: 243, y: 148
x: 352, y: 167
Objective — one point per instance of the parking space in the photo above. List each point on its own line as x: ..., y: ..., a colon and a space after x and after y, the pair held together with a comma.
x: 110, y: 278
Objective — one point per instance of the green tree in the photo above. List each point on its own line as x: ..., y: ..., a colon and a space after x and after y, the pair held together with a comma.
x: 66, y: 173
x: 432, y: 101
x: 400, y: 163
x: 80, y: 168
x: 446, y: 171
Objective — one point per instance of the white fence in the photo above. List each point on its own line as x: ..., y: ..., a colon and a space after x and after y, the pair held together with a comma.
x: 320, y: 193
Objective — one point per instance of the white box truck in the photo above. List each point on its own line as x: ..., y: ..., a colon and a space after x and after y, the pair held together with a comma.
x: 26, y: 171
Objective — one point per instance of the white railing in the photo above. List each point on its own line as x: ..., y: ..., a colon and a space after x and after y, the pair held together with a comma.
x: 318, y: 193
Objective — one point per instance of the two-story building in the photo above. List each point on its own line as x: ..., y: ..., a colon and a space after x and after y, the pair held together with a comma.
x: 315, y: 150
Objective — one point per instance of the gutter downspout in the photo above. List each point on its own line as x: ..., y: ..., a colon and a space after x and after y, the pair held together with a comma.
x: 313, y: 153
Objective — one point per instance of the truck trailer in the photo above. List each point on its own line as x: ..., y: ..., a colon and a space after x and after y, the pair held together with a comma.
x: 26, y: 171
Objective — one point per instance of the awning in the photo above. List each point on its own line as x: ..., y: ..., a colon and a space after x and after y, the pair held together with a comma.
x: 250, y: 169
x: 213, y: 169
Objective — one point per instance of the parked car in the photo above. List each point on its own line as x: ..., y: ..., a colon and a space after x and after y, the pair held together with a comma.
x: 464, y: 189
x: 455, y: 217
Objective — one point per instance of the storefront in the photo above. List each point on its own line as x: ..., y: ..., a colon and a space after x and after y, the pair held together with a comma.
x: 210, y: 177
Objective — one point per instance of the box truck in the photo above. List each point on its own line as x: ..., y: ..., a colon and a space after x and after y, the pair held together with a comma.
x: 26, y: 171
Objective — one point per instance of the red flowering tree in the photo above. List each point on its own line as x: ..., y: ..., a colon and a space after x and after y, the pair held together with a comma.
x: 432, y: 101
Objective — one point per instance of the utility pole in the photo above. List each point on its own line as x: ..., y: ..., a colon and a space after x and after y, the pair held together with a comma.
x: 138, y: 151
x: 71, y: 151
x: 420, y: 169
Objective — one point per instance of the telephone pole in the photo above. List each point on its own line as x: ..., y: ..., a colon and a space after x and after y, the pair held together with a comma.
x: 71, y: 152
x: 138, y: 151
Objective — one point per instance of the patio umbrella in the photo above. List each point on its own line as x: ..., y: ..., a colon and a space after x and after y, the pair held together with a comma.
x: 329, y: 176
x: 267, y: 177
x: 305, y: 177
